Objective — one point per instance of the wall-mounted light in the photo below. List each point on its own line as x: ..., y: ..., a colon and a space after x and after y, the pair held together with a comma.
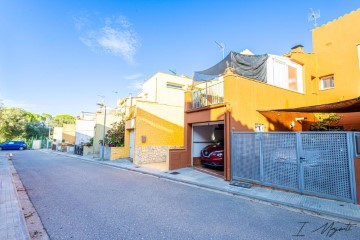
x: 292, y: 125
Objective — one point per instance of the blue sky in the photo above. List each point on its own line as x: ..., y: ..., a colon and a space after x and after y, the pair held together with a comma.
x: 58, y: 56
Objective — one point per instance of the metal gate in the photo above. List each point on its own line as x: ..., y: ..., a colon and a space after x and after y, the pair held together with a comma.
x: 316, y: 163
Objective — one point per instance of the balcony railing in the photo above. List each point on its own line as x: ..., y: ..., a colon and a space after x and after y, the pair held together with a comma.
x: 210, y: 95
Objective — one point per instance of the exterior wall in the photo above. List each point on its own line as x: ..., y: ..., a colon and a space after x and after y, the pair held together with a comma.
x: 246, y: 96
x: 154, y: 135
x: 113, y: 153
x: 153, y: 154
x: 335, y: 47
x: 57, y: 135
x: 84, y: 131
x: 155, y: 89
x: 99, y: 127
x: 68, y: 133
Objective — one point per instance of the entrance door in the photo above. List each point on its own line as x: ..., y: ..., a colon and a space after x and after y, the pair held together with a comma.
x: 325, y: 165
x: 132, y: 141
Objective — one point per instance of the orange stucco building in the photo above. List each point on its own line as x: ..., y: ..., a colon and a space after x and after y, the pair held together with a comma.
x: 235, y: 102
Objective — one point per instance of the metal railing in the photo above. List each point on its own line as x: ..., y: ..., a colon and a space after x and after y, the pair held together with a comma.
x: 210, y: 95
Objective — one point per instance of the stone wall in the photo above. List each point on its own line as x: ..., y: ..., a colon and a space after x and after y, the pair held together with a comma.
x: 152, y: 154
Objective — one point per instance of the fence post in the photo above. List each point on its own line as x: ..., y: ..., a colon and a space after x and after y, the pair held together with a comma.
x: 261, y: 156
x: 351, y: 154
x: 299, y: 153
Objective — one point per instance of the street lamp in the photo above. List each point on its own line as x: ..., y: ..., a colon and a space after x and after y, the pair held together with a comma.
x: 103, y: 140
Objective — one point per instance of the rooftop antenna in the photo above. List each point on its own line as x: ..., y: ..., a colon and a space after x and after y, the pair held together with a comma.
x: 102, y: 98
x: 173, y: 71
x: 222, y: 48
x: 313, y: 16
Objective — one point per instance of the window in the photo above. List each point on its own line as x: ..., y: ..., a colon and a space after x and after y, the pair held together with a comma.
x: 284, y: 73
x: 174, y: 85
x: 327, y: 82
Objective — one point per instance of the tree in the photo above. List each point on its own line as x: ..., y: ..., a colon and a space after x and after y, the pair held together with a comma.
x: 13, y: 123
x: 36, y: 129
x: 59, y: 120
x: 116, y: 135
x: 326, y: 122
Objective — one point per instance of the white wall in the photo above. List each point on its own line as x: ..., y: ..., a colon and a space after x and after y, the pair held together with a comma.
x: 156, y: 89
x: 84, y: 131
x: 203, y: 136
x: 57, y: 135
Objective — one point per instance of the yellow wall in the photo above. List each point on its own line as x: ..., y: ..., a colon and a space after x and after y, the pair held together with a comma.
x: 68, y: 134
x: 335, y: 47
x: 158, y: 131
x: 99, y: 127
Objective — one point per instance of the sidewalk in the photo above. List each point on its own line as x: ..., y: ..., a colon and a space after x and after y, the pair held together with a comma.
x: 319, y: 206
x: 12, y: 220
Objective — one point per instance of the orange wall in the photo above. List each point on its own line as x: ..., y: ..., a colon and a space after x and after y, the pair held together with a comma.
x: 246, y: 96
x: 335, y: 47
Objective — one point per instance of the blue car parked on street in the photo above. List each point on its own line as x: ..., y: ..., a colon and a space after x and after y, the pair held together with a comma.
x: 13, y: 145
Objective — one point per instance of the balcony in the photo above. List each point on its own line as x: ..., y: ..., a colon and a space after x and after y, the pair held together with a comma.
x: 208, y: 93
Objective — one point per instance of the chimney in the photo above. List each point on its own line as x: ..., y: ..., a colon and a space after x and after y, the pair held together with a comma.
x: 297, y: 48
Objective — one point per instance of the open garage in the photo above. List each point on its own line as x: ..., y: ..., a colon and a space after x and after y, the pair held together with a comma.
x: 208, y: 147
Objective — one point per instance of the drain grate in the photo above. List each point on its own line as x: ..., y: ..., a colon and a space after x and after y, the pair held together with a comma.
x: 240, y: 184
x: 174, y: 173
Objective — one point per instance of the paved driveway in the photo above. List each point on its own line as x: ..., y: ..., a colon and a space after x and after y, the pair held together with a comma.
x: 82, y: 200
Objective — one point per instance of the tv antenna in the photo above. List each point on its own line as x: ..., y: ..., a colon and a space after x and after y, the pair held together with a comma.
x: 102, y: 98
x: 222, y: 48
x: 313, y: 16
x: 173, y: 71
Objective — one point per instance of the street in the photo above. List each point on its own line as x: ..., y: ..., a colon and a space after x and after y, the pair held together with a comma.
x: 76, y: 199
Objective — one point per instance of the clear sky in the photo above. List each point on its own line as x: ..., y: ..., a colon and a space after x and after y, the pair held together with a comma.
x: 58, y: 56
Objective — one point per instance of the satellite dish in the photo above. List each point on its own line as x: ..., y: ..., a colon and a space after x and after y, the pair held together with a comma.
x: 313, y: 16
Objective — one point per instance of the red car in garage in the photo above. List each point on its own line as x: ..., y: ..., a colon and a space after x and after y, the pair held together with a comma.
x: 213, y: 155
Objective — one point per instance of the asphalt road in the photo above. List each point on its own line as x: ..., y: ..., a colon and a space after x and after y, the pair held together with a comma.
x: 82, y: 200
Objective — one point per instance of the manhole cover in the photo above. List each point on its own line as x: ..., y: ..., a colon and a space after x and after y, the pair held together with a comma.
x: 174, y: 173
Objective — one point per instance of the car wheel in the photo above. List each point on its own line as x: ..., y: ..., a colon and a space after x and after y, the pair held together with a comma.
x: 21, y: 148
x: 0, y: 148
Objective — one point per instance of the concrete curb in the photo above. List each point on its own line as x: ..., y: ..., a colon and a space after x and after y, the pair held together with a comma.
x: 309, y: 210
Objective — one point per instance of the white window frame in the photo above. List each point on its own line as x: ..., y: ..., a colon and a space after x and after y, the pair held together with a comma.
x: 322, y: 79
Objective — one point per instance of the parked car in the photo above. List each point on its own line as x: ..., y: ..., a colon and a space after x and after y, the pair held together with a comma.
x: 213, y: 155
x: 13, y: 145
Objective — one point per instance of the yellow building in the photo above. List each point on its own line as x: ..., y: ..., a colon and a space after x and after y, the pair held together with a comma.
x: 68, y: 133
x: 65, y: 134
x: 111, y: 117
x: 155, y: 119
x: 265, y: 92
